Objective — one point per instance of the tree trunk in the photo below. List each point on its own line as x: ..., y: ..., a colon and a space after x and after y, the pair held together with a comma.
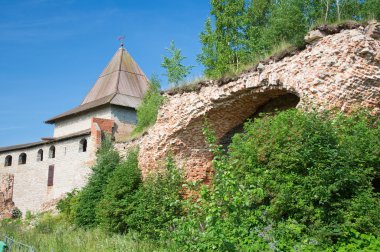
x: 338, y: 9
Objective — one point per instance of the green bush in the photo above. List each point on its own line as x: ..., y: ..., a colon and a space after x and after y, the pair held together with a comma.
x: 148, y: 109
x: 116, y: 205
x: 16, y: 213
x: 107, y: 160
x: 295, y: 181
x: 67, y: 206
x: 157, y: 203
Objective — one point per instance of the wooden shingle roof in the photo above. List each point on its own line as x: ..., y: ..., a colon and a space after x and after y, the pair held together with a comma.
x: 121, y: 83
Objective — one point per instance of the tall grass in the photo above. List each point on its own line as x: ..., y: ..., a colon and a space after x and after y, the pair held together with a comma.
x: 48, y: 233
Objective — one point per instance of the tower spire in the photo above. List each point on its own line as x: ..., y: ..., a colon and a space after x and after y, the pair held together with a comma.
x: 121, y: 40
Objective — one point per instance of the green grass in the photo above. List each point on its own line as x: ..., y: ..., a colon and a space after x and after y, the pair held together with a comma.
x: 278, y: 52
x: 343, y: 22
x: 47, y: 233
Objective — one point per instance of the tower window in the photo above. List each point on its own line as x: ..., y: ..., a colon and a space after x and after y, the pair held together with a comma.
x: 8, y: 160
x: 83, y: 145
x: 22, y: 159
x: 52, y: 152
x: 40, y: 155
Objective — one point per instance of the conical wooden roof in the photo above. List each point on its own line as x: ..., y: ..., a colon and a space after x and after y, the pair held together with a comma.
x: 121, y: 76
x: 121, y: 83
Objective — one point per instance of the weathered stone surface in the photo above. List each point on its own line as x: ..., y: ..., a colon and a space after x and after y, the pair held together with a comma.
x: 313, y: 36
x: 338, y: 71
x: 6, y: 194
x: 373, y: 30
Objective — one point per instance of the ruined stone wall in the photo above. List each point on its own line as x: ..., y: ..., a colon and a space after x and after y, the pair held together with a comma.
x: 6, y: 195
x: 339, y: 70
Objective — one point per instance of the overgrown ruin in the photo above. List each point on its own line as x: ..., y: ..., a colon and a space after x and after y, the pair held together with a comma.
x: 338, y: 69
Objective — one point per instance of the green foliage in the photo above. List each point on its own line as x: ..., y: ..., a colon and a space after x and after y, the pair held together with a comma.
x: 157, y: 203
x: 16, y: 213
x: 148, y: 109
x: 208, y: 57
x: 222, y: 48
x: 116, y: 205
x: 67, y: 206
x: 371, y: 9
x: 358, y: 242
x: 175, y: 70
x: 294, y: 181
x: 242, y: 31
x: 53, y: 233
x: 287, y: 23
x: 107, y: 160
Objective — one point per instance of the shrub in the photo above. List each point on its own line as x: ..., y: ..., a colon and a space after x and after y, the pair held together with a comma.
x: 67, y: 206
x: 157, y: 203
x: 295, y: 181
x: 16, y: 213
x: 148, y: 109
x: 115, y: 206
x: 107, y: 160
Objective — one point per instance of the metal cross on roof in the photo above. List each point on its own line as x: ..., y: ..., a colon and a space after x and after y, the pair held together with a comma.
x: 121, y: 39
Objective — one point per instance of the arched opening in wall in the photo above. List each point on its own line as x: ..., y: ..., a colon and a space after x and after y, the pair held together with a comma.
x: 270, y: 107
x: 52, y: 151
x: 8, y: 160
x: 22, y: 159
x: 40, y: 155
x: 83, y: 145
x: 226, y: 115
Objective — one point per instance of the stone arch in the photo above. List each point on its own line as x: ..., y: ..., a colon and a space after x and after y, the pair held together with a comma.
x: 271, y: 107
x: 83, y: 145
x: 40, y: 155
x: 227, y: 117
x: 327, y: 75
x: 8, y: 161
x: 52, y: 151
x: 22, y: 159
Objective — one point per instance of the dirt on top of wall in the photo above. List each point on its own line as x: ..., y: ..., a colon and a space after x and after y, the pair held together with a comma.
x: 315, y: 34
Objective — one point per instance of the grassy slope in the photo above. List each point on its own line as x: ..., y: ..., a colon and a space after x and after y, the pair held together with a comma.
x: 54, y: 234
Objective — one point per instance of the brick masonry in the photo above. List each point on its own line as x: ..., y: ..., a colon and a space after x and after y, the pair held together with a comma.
x: 6, y: 194
x: 337, y: 71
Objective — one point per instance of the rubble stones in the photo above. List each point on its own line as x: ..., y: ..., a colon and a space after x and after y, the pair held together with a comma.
x: 313, y: 36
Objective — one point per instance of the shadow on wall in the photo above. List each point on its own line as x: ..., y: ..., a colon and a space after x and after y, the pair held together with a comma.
x: 271, y: 107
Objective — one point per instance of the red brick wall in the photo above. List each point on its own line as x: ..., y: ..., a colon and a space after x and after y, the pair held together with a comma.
x: 99, y: 125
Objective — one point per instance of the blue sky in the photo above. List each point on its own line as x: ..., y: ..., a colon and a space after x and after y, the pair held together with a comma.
x: 52, y: 51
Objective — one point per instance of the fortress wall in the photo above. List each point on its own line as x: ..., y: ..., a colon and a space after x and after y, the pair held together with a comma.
x: 125, y: 121
x: 71, y: 169
x: 338, y: 72
x: 79, y: 123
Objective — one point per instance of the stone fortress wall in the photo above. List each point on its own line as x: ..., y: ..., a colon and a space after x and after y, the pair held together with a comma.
x: 125, y: 119
x: 83, y: 122
x: 30, y: 187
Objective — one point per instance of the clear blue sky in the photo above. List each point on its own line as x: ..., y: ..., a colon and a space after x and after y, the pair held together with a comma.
x: 52, y: 51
